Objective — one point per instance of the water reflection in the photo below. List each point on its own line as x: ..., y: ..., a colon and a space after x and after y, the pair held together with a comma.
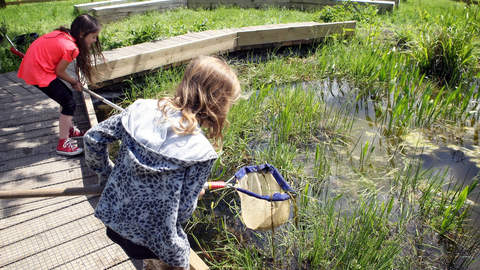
x: 444, y: 146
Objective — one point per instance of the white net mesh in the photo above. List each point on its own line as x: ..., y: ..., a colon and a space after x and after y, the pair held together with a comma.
x: 260, y: 214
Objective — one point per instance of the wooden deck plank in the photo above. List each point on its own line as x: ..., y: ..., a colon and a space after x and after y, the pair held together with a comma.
x: 35, y: 94
x: 107, y: 256
x: 169, y: 55
x: 119, y: 53
x: 27, y: 108
x: 225, y: 31
x: 52, y: 238
x: 32, y: 160
x: 143, y: 47
x: 193, y: 37
x: 206, y: 34
x: 28, y: 127
x: 71, y: 167
x: 13, y: 88
x: 60, y: 211
x: 34, y: 142
x: 24, y: 152
x: 89, y: 6
x: 155, y: 45
x: 20, y: 103
x: 136, y: 50
x: 61, y: 175
x: 16, y: 211
x: 13, y: 77
x: 25, y: 118
x: 5, y: 140
x: 290, y: 33
x: 118, y: 12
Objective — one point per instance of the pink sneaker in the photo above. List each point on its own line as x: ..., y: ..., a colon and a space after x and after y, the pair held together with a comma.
x: 75, y: 133
x: 66, y: 148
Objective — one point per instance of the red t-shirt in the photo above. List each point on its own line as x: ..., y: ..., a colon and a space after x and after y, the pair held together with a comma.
x: 38, y: 65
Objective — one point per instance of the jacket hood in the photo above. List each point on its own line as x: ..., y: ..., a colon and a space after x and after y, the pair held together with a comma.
x: 153, y: 137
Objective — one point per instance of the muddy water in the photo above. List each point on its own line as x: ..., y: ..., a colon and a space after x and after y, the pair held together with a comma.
x: 445, y: 146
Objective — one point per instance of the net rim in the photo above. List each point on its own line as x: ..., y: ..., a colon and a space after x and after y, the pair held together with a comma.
x: 276, y: 175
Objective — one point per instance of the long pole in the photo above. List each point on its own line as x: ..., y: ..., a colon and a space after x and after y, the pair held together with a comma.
x: 76, y: 191
x: 50, y: 192
x: 102, y: 99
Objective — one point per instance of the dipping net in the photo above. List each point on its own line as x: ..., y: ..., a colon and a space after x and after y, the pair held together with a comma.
x: 264, y: 195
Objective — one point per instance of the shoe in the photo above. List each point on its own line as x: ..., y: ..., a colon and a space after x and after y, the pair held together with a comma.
x: 75, y: 133
x: 66, y: 148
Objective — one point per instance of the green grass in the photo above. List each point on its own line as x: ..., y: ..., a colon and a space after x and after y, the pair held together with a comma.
x: 153, y: 25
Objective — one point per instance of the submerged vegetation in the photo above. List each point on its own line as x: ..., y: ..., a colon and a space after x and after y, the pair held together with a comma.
x: 365, y: 198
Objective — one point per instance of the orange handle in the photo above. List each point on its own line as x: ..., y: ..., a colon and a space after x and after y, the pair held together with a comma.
x: 214, y: 185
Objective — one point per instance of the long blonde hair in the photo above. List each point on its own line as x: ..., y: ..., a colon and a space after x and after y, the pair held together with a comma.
x: 208, y: 89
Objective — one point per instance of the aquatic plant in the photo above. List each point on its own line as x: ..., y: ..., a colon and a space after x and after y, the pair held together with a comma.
x: 161, y: 83
x: 444, y: 48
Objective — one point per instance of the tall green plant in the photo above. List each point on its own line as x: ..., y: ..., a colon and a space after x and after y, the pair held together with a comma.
x: 348, y: 11
x: 445, y: 46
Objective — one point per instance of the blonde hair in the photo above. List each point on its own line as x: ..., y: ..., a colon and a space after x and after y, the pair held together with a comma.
x: 208, y: 88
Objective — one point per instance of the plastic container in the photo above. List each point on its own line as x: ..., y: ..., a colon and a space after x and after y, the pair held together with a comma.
x: 25, y: 39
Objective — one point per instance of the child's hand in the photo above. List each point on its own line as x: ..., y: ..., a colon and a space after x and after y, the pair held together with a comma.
x: 201, y: 193
x: 77, y: 86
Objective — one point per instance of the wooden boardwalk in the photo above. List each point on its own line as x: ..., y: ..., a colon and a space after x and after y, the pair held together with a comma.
x: 46, y: 233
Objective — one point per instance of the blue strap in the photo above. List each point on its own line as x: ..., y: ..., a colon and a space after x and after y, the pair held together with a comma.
x: 276, y: 174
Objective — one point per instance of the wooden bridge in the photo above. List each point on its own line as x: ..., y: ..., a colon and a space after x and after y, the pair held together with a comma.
x: 61, y: 232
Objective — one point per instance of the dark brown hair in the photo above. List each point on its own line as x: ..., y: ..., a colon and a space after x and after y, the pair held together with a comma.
x: 82, y: 26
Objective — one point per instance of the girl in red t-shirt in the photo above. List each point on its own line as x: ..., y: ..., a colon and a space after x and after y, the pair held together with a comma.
x: 46, y: 62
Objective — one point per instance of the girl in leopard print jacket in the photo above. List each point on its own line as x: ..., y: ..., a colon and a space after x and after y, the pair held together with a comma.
x: 163, y: 161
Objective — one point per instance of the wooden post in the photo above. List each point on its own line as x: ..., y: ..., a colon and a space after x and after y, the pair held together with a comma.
x: 2, y: 4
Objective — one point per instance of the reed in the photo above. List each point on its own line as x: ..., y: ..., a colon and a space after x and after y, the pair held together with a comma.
x: 321, y: 164
x: 444, y: 47
x: 161, y: 83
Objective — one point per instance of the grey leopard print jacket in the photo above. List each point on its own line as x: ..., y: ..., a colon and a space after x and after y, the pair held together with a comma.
x: 155, y: 182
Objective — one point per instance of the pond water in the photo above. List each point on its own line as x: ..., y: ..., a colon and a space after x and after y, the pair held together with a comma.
x: 445, y: 146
